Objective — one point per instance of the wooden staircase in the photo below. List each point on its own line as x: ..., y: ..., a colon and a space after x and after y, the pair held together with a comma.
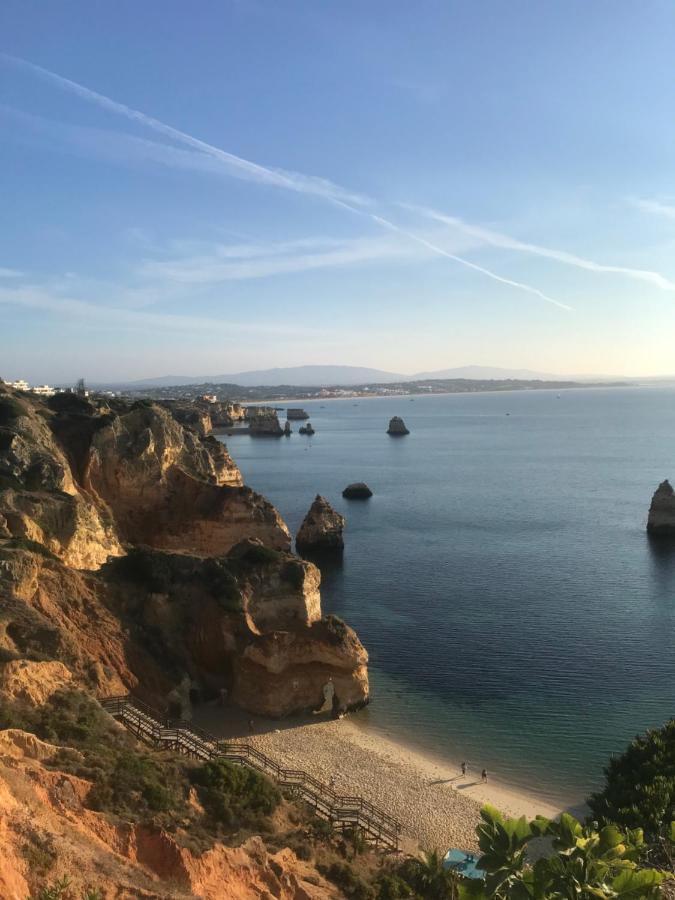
x: 343, y: 812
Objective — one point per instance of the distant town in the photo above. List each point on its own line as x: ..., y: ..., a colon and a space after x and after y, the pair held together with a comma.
x: 236, y: 393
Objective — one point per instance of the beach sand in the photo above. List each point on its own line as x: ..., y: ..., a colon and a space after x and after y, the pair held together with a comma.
x: 437, y: 807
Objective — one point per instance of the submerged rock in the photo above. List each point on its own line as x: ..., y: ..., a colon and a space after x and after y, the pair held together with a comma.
x: 359, y: 490
x: 322, y: 527
x: 397, y: 426
x: 661, y: 520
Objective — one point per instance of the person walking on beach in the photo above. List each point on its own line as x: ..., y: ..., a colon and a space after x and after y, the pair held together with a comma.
x: 483, y: 775
x: 463, y: 768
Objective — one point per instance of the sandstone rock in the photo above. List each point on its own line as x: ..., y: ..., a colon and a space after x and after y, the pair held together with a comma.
x: 282, y: 673
x: 397, y: 427
x: 33, y: 682
x: 322, y: 527
x: 661, y: 520
x: 264, y: 422
x: 89, y: 483
x: 359, y: 490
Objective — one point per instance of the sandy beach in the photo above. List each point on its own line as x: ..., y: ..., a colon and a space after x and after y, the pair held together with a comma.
x: 437, y: 806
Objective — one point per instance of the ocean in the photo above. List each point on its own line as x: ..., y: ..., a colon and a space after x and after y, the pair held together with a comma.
x: 516, y: 614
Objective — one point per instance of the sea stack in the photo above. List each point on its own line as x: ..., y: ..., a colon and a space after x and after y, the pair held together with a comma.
x: 397, y: 427
x: 357, y: 491
x: 661, y: 520
x: 322, y: 528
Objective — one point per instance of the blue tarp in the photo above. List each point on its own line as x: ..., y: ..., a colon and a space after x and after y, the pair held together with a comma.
x: 463, y: 863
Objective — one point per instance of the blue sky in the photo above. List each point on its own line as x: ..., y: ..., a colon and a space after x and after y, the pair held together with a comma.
x: 242, y: 184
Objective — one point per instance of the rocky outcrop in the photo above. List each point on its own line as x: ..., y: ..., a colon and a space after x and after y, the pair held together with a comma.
x: 33, y: 682
x: 264, y: 422
x: 322, y: 528
x: 359, y: 490
x: 82, y: 480
x: 661, y: 519
x: 283, y: 673
x: 397, y: 427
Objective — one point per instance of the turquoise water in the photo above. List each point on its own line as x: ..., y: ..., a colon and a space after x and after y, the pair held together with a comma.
x: 515, y: 612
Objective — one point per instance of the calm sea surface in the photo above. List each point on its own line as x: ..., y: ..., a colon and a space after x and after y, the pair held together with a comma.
x: 515, y: 612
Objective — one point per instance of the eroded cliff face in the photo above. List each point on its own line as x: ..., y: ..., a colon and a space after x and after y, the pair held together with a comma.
x: 168, y: 487
x: 44, y: 815
x: 219, y: 601
x: 84, y: 479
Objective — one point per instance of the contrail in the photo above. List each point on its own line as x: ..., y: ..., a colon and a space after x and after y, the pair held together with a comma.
x: 504, y: 240
x: 465, y: 262
x: 294, y: 181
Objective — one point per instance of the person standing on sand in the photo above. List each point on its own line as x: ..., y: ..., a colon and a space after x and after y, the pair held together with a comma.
x: 483, y: 775
x: 463, y: 768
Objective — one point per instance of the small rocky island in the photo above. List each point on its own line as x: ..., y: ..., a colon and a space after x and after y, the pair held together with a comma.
x: 359, y: 490
x: 397, y: 427
x: 661, y: 519
x: 321, y: 529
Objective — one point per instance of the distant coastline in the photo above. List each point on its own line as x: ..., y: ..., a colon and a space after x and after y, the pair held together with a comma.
x: 291, y: 393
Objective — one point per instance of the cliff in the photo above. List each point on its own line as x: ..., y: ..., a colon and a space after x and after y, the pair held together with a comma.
x: 131, y: 553
x: 134, y: 560
x: 84, y: 479
x: 51, y: 830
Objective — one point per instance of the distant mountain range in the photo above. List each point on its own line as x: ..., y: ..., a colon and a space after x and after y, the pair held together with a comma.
x: 324, y: 376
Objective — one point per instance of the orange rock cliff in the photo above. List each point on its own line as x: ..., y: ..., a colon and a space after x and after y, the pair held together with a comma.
x: 133, y: 559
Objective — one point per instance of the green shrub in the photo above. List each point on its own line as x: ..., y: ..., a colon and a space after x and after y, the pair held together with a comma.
x: 639, y: 789
x: 393, y: 887
x: 234, y: 796
x: 137, y: 785
x: 350, y: 883
x: 11, y: 409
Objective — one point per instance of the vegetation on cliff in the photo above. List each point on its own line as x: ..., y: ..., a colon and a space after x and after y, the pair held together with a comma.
x: 639, y: 789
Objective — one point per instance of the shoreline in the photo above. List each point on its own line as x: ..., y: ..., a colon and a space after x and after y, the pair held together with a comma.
x: 438, y: 808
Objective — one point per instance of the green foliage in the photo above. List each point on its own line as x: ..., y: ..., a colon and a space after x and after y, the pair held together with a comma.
x: 10, y: 409
x: 59, y: 890
x: 233, y: 795
x: 429, y: 878
x: 639, y: 787
x: 393, y: 887
x: 137, y: 785
x: 585, y: 863
x: 350, y: 882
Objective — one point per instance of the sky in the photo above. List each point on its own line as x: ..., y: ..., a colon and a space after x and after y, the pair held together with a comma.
x: 243, y: 184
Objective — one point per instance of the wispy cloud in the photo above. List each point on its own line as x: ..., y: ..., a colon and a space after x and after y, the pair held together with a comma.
x: 239, y: 167
x: 38, y: 297
x: 496, y: 239
x: 10, y: 273
x: 233, y: 262
x: 656, y: 207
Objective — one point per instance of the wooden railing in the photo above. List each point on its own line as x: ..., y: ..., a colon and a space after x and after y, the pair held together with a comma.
x: 343, y: 812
